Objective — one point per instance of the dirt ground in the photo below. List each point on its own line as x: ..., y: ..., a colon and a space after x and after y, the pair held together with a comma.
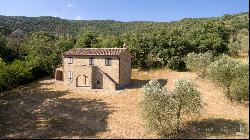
x: 46, y: 109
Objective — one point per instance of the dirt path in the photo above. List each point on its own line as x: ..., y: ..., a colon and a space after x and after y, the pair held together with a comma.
x: 45, y: 109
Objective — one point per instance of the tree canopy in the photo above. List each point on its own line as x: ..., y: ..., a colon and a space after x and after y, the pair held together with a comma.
x: 39, y: 41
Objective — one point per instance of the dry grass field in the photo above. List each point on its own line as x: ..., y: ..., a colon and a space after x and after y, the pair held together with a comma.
x: 244, y: 57
x: 46, y: 109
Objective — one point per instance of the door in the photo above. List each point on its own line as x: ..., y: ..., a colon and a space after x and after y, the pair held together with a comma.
x: 59, y: 75
x: 82, y: 81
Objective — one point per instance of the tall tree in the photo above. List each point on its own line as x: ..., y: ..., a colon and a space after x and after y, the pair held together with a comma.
x: 86, y: 40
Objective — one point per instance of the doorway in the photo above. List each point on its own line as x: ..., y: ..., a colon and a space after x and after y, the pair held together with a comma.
x: 82, y: 81
x: 59, y: 75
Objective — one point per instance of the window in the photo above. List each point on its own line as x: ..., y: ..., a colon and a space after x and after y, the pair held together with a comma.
x: 86, y: 79
x: 98, y: 82
x: 91, y: 61
x: 70, y: 76
x: 108, y: 62
x: 70, y: 60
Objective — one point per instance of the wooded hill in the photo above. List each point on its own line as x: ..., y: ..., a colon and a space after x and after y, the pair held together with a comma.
x: 9, y: 24
x: 32, y: 46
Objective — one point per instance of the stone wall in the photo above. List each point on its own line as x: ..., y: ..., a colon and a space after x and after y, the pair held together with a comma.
x: 78, y: 71
x: 108, y: 83
x: 125, y: 69
x: 81, y: 62
x: 97, y: 79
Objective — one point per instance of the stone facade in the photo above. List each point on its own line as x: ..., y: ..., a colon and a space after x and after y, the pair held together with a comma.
x: 125, y: 69
x: 77, y: 73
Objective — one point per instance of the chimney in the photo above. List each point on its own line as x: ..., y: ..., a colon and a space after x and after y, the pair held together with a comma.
x: 124, y: 45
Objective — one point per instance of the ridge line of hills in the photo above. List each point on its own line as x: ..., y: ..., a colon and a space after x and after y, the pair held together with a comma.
x: 57, y: 25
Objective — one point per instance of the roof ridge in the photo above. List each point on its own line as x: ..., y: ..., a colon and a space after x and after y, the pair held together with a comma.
x: 95, y: 51
x: 100, y: 48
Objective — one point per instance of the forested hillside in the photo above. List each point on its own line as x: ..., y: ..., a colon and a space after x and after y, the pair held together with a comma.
x: 31, y: 46
x: 9, y: 24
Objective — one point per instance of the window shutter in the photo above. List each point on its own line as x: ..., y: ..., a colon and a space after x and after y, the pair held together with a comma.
x: 69, y: 74
x: 106, y: 63
x: 110, y: 62
x: 70, y: 60
x: 91, y: 61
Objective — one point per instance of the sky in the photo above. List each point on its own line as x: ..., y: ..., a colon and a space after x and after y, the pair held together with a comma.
x: 123, y: 10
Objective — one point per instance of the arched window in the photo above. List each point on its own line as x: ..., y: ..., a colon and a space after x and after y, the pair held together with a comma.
x: 82, y: 81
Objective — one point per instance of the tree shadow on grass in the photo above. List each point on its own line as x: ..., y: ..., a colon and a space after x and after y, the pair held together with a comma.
x: 211, y: 127
x: 42, y: 113
x: 136, y: 83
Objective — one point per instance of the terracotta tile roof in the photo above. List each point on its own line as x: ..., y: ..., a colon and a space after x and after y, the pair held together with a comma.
x: 94, y: 51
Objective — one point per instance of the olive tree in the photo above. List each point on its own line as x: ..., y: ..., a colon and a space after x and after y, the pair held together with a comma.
x: 158, y: 108
x: 199, y: 62
x: 188, y: 99
x: 240, y: 85
x: 162, y: 109
x: 227, y: 72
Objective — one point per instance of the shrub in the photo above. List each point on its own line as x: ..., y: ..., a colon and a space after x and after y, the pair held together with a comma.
x: 240, y: 44
x: 188, y: 99
x: 162, y: 110
x: 230, y: 74
x: 158, y: 108
x: 19, y: 72
x: 176, y: 63
x: 234, y: 48
x: 14, y: 74
x: 222, y: 71
x: 3, y: 73
x: 199, y: 62
x: 240, y: 85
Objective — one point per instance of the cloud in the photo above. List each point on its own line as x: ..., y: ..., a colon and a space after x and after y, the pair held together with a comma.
x: 78, y: 18
x: 69, y: 5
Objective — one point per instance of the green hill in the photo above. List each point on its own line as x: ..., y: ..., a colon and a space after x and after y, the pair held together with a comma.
x: 9, y: 24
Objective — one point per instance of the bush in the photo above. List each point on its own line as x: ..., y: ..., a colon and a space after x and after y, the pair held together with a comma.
x: 234, y: 48
x: 162, y: 110
x: 14, y: 74
x: 230, y: 74
x: 188, y: 99
x: 158, y: 108
x: 3, y: 73
x: 176, y: 63
x: 240, y: 44
x: 240, y: 85
x: 199, y: 62
x: 223, y: 71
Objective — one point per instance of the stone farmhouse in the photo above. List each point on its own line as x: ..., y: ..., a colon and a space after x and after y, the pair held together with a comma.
x: 95, y: 68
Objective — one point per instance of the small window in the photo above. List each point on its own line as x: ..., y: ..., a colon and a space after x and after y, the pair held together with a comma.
x: 91, y: 61
x: 70, y: 60
x: 70, y: 76
x: 98, y: 82
x: 108, y: 62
